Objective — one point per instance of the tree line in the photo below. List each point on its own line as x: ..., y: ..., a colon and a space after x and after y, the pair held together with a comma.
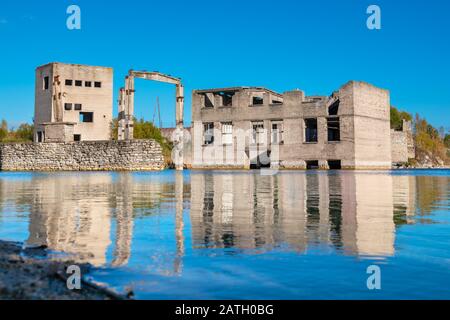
x: 23, y: 133
x: 427, y: 139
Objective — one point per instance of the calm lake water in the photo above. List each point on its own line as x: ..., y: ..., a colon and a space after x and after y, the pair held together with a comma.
x: 230, y: 235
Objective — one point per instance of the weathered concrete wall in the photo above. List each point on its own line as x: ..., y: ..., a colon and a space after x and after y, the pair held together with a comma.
x: 143, y: 155
x: 372, y: 126
x: 363, y: 116
x: 99, y: 101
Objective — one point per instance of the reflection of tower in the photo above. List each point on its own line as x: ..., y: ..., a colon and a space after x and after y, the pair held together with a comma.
x: 368, y: 214
x: 124, y: 218
x: 292, y: 203
x: 179, y: 223
x: 65, y: 216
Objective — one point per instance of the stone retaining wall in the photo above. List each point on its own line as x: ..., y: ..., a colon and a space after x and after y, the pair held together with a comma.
x: 399, y: 146
x: 145, y: 155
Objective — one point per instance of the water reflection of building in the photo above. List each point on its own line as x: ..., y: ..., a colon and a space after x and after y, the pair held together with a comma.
x: 71, y: 213
x: 74, y: 213
x: 353, y: 212
x: 368, y: 214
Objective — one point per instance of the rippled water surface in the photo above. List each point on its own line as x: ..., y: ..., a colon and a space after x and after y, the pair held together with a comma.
x: 206, y: 235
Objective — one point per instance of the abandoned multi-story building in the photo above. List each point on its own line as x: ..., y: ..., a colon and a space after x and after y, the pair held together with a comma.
x: 73, y: 103
x: 238, y: 127
x: 244, y: 127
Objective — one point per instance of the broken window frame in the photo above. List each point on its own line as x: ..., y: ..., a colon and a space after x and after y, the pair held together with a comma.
x: 227, y: 133
x: 208, y: 133
x: 78, y: 106
x: 68, y: 82
x: 311, y: 132
x: 208, y: 104
x: 78, y: 83
x: 333, y: 110
x: 276, y: 136
x: 97, y: 84
x: 86, y: 117
x: 334, y: 129
x: 77, y: 137
x: 88, y: 84
x: 227, y: 98
x: 46, y: 83
x: 257, y: 101
x: 68, y: 106
x: 258, y: 132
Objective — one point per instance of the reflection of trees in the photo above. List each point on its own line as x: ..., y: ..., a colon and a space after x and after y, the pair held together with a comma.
x: 429, y: 191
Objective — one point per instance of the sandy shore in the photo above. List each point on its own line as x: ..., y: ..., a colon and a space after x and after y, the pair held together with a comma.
x: 26, y: 274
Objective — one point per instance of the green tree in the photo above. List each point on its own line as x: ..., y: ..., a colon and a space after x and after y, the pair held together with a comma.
x: 447, y: 140
x: 146, y: 130
x: 24, y: 132
x: 428, y: 140
x: 397, y: 118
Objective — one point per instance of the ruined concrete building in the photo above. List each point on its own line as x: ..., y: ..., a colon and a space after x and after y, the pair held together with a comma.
x: 73, y: 103
x: 246, y: 127
x: 238, y: 127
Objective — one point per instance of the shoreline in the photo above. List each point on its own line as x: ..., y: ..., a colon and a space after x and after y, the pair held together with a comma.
x: 28, y: 274
x: 223, y: 169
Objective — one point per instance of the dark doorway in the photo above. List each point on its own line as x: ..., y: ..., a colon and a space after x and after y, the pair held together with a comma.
x: 312, y: 165
x: 77, y: 137
x: 334, y: 164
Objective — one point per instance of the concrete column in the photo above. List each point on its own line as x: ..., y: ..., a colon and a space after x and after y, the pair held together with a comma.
x: 129, y: 108
x: 323, y: 165
x: 121, y: 118
x: 179, y: 135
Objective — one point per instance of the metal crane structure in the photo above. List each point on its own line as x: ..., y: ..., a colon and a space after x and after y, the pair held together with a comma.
x: 126, y: 110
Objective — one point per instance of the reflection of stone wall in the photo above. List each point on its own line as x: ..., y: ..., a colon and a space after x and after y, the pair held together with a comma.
x: 399, y: 146
x: 88, y: 156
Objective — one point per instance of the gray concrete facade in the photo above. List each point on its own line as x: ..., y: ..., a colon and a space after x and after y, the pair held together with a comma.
x: 73, y: 103
x: 246, y: 127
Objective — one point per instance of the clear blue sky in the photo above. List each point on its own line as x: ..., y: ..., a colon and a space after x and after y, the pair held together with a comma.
x: 312, y: 45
